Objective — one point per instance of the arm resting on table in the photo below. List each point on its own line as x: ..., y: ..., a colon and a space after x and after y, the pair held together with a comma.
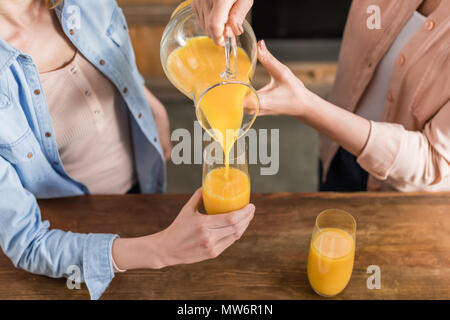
x: 29, y: 243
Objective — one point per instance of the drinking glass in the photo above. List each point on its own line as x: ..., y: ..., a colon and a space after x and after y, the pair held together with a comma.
x: 332, y: 252
x: 225, y: 188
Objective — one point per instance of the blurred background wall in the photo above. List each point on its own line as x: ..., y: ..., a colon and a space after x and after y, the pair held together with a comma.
x: 305, y: 35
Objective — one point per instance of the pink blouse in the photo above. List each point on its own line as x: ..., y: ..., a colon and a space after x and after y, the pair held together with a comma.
x: 91, y: 127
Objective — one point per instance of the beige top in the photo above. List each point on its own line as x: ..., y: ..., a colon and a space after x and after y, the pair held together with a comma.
x: 372, y: 101
x: 91, y: 127
x: 409, y: 148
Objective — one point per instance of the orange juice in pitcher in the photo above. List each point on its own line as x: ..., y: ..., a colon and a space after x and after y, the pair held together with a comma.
x: 199, y: 69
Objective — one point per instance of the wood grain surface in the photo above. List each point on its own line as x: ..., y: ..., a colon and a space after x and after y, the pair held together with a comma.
x: 406, y: 235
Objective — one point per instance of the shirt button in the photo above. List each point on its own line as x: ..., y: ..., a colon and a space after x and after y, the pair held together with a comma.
x: 55, y: 163
x: 390, y: 97
x: 87, y: 93
x: 71, y: 32
x: 125, y: 90
x: 102, y: 62
x: 48, y: 134
x: 73, y: 70
x: 96, y: 111
x: 140, y: 115
x: 429, y: 25
x: 401, y: 59
x: 37, y: 92
x: 155, y: 139
x: 30, y: 155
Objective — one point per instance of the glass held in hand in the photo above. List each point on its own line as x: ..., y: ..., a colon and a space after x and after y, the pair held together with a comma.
x: 226, y: 184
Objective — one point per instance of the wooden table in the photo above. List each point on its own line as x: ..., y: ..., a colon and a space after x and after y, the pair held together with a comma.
x: 406, y: 235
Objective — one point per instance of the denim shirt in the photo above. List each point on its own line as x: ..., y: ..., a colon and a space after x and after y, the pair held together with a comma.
x: 30, y: 166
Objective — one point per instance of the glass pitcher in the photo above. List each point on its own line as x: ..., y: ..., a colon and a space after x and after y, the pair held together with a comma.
x: 217, y: 79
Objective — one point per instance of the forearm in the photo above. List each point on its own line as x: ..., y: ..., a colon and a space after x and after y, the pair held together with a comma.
x: 347, y: 129
x: 385, y: 150
x: 419, y: 158
x: 138, y: 253
x: 286, y: 94
x: 30, y: 245
x: 161, y: 121
x: 158, y: 109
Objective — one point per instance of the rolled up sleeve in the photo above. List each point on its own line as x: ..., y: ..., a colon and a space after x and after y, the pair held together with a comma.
x: 418, y: 158
x: 32, y: 246
x: 97, y: 263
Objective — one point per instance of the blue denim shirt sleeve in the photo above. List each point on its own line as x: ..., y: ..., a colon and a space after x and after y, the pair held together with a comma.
x: 24, y: 121
x: 31, y: 245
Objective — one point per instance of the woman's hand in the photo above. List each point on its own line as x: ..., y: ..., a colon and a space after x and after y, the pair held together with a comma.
x: 285, y: 94
x: 161, y: 121
x: 215, y: 15
x: 192, y: 237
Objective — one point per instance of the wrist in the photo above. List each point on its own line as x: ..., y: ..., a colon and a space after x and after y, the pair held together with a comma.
x: 307, y: 103
x: 154, y: 251
x: 137, y: 253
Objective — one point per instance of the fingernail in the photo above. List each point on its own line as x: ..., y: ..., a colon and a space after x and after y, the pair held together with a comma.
x: 262, y: 44
x: 251, y: 208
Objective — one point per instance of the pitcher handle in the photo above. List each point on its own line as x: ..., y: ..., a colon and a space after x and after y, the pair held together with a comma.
x: 231, y: 59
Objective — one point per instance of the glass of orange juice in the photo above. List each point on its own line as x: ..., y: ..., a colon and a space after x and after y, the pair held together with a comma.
x: 226, y: 186
x: 332, y: 252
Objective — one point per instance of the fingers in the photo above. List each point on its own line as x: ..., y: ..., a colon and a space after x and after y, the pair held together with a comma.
x: 201, y: 9
x: 280, y: 74
x: 214, y: 16
x: 264, y: 100
x: 196, y: 9
x: 236, y: 229
x: 276, y: 69
x: 217, y: 20
x: 203, y: 14
x: 237, y: 15
x: 228, y: 32
x: 213, y: 246
x: 195, y: 201
x: 228, y: 219
x: 199, y: 13
x: 229, y: 240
